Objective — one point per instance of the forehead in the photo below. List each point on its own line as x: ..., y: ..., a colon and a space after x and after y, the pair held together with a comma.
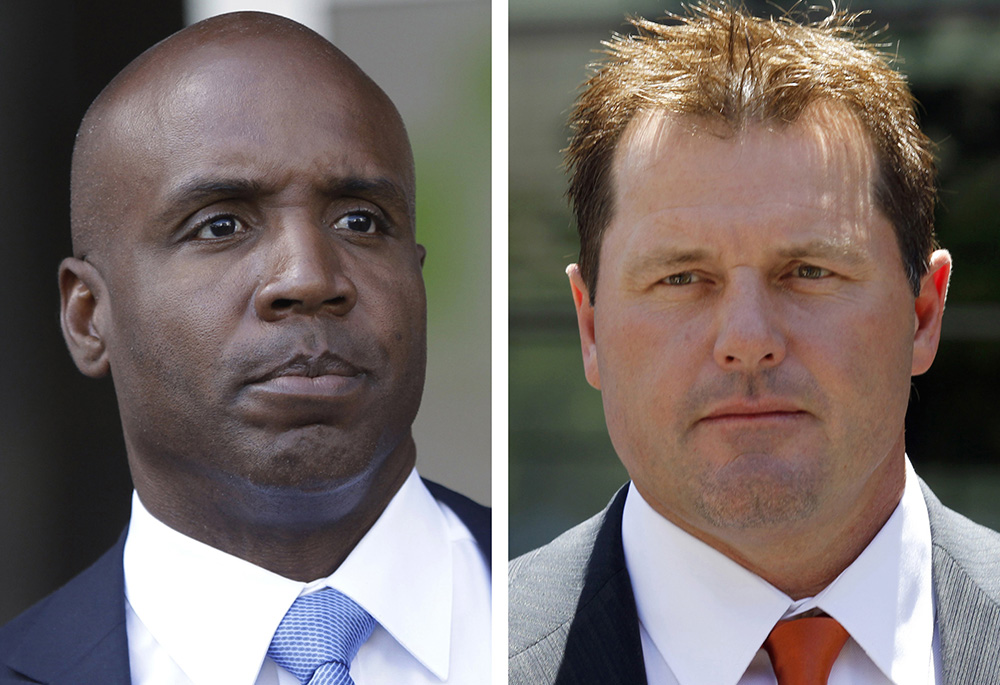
x: 677, y: 176
x: 266, y: 111
x: 825, y: 156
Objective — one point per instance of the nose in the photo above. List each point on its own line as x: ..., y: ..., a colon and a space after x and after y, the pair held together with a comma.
x: 749, y: 335
x: 304, y: 275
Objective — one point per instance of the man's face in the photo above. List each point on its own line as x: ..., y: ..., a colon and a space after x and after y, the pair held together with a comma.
x: 753, y: 333
x: 266, y: 309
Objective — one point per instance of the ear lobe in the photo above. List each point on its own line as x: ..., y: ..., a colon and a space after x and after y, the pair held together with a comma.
x: 929, y: 308
x: 585, y: 321
x: 83, y: 302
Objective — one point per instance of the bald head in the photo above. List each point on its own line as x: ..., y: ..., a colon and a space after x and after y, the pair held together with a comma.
x: 226, y: 72
x: 243, y: 211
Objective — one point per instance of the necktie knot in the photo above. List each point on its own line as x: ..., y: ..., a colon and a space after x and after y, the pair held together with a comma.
x: 319, y: 637
x: 803, y: 650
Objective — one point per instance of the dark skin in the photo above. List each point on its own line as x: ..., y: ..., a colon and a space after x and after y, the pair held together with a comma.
x: 246, y: 269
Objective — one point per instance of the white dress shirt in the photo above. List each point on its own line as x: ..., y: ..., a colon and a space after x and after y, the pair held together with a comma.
x: 198, y: 616
x: 703, y: 617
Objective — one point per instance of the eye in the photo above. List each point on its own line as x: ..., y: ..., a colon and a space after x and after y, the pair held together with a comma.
x: 683, y: 278
x: 220, y: 227
x: 809, y: 271
x: 357, y: 222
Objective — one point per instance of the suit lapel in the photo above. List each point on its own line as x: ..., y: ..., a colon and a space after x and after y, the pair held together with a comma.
x: 598, y: 641
x: 602, y: 644
x: 967, y: 594
x: 573, y: 619
x: 77, y: 636
x: 476, y: 517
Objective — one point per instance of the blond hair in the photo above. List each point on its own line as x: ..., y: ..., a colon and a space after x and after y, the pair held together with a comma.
x: 721, y: 63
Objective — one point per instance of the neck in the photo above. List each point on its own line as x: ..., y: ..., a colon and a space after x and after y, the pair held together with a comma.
x: 301, y: 535
x: 804, y: 557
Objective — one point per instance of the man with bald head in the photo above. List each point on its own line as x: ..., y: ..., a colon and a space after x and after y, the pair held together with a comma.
x: 245, y: 267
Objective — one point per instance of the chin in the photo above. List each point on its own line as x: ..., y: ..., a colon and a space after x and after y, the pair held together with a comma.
x: 758, y: 491
x: 303, y: 457
x: 304, y: 483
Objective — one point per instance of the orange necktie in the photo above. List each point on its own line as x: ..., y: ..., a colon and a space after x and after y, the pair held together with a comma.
x: 803, y: 650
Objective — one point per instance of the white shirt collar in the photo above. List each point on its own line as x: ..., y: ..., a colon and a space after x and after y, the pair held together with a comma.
x: 885, y: 599
x: 400, y: 572
x: 692, y: 598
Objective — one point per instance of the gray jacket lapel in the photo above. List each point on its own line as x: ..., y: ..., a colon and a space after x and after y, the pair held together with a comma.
x: 966, y: 571
x: 572, y: 613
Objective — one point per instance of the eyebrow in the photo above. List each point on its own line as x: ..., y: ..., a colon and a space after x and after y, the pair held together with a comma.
x: 199, y: 188
x: 814, y: 249
x: 196, y: 191
x: 380, y: 188
x: 669, y: 259
x: 824, y: 249
x: 202, y: 189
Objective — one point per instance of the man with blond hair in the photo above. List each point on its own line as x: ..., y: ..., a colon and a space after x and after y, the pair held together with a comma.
x: 758, y: 281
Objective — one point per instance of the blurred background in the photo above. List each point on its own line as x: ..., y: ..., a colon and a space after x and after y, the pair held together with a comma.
x: 562, y: 466
x: 64, y: 484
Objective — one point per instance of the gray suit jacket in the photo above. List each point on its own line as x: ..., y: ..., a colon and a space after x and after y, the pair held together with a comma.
x: 573, y: 618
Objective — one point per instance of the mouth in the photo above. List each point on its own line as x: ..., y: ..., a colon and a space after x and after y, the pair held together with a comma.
x: 326, y: 375
x: 754, y: 412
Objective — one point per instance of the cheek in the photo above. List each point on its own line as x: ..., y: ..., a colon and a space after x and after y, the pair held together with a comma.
x: 191, y: 319
x: 867, y: 347
x: 172, y: 330
x: 392, y: 303
x: 649, y: 354
x: 649, y: 362
x: 861, y: 358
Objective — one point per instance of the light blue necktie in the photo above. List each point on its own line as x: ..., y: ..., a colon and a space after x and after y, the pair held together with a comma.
x: 319, y: 637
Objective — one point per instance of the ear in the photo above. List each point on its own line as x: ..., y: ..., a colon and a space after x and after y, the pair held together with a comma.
x: 422, y: 251
x: 929, y: 308
x: 83, y: 315
x: 585, y: 321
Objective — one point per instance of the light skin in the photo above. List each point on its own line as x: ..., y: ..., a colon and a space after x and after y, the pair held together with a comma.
x: 753, y: 335
x: 246, y: 269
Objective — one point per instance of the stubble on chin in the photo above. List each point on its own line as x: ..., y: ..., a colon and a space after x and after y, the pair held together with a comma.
x: 757, y: 491
x: 760, y: 482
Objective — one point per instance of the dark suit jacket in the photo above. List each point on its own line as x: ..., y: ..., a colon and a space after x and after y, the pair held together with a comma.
x: 76, y: 636
x: 573, y: 618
